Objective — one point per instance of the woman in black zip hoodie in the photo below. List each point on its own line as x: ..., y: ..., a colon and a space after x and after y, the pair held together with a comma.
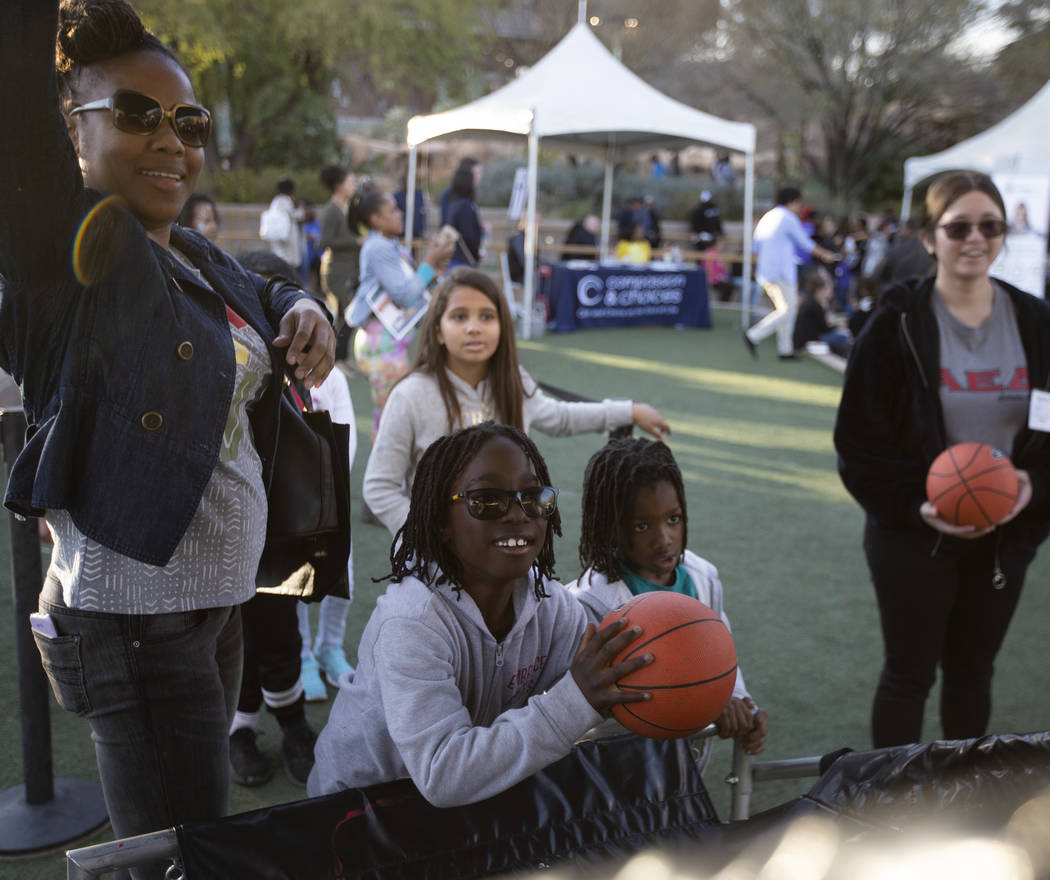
x: 951, y: 358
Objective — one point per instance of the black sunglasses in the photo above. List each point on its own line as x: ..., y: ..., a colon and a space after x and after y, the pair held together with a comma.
x: 958, y: 230
x: 136, y: 113
x: 494, y: 503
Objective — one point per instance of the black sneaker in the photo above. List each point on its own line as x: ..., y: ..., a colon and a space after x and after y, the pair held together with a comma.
x: 788, y: 357
x: 297, y: 749
x: 750, y: 346
x: 248, y: 765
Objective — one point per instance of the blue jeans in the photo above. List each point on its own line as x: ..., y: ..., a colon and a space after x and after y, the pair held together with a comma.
x: 158, y: 691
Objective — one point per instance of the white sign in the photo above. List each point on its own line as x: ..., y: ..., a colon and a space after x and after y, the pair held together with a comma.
x: 631, y: 295
x: 1023, y: 258
x: 518, y: 194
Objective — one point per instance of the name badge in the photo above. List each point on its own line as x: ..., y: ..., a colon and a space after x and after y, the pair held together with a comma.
x: 1039, y: 410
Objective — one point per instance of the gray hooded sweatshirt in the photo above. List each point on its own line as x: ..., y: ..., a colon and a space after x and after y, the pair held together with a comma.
x: 436, y: 698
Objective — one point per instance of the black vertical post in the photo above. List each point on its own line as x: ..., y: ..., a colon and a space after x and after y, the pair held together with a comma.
x: 44, y: 812
x: 27, y: 579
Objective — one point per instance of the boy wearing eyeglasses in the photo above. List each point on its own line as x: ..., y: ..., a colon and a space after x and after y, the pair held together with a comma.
x: 476, y: 668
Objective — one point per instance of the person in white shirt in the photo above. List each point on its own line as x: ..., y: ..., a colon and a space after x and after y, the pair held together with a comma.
x: 279, y: 225
x: 779, y: 236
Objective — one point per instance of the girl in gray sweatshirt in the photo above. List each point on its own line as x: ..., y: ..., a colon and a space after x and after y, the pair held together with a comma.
x: 467, y: 372
x: 476, y: 669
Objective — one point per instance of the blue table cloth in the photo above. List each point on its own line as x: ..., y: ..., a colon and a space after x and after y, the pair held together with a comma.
x: 586, y: 295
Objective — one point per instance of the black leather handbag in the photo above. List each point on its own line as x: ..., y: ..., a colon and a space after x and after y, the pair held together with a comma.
x: 308, y: 520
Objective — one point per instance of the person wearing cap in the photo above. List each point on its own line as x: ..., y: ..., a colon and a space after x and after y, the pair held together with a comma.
x: 706, y: 222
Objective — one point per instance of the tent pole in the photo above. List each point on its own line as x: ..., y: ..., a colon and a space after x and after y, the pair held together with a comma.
x: 906, y: 204
x: 745, y: 273
x: 410, y: 199
x: 530, y: 233
x: 607, y: 194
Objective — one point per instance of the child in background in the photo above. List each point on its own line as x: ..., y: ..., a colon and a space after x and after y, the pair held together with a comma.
x: 811, y: 322
x: 310, y: 268
x: 468, y: 361
x: 476, y: 669
x: 201, y: 214
x: 632, y: 541
x: 326, y: 655
x: 279, y: 669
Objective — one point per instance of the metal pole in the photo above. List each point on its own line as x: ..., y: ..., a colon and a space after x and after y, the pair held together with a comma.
x: 607, y: 194
x: 906, y: 204
x: 529, y: 281
x: 26, y: 580
x: 749, y: 220
x: 742, y: 783
x: 44, y: 812
x: 89, y: 862
x: 788, y: 768
x: 410, y: 199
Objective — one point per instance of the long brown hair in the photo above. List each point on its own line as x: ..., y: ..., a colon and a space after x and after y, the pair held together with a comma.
x: 504, y: 374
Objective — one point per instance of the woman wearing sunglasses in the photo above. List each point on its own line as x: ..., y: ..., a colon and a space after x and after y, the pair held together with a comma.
x: 956, y: 357
x: 151, y: 365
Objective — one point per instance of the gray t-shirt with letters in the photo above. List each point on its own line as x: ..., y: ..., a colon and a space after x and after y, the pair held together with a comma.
x: 984, y: 376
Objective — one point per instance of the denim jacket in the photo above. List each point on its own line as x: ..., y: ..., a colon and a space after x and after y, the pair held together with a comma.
x: 126, y: 382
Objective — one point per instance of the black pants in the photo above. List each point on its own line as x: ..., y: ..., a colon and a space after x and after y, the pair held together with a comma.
x: 272, y: 646
x: 938, y: 605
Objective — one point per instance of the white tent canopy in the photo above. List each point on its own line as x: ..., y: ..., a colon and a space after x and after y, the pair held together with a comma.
x: 580, y: 97
x: 1020, y: 144
x: 584, y: 99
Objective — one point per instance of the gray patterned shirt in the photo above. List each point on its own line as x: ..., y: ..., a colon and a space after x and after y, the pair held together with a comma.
x: 215, y: 563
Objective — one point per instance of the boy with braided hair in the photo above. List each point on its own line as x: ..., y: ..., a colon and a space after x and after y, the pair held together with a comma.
x: 632, y: 541
x: 476, y: 668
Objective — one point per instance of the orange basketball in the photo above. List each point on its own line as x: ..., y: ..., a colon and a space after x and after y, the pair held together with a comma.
x: 693, y: 671
x: 972, y: 484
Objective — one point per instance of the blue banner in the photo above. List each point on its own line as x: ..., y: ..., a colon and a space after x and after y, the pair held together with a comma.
x: 623, y: 296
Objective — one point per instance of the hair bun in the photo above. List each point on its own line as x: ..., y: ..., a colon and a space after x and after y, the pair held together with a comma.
x: 90, y: 31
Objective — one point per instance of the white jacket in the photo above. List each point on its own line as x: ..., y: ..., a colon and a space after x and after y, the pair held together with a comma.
x: 283, y: 236
x: 436, y: 698
x: 599, y: 596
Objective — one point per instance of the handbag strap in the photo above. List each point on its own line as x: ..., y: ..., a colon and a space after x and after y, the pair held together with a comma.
x: 299, y: 394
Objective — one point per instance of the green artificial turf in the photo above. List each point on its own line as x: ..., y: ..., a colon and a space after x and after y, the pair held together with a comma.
x: 766, y: 506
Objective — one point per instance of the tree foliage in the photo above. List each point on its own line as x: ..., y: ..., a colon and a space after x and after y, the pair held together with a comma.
x: 858, y: 83
x: 1023, y: 66
x: 648, y: 36
x: 281, y: 68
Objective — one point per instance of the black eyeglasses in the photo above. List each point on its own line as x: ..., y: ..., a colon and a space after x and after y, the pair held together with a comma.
x: 958, y: 230
x: 136, y: 113
x: 494, y: 503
